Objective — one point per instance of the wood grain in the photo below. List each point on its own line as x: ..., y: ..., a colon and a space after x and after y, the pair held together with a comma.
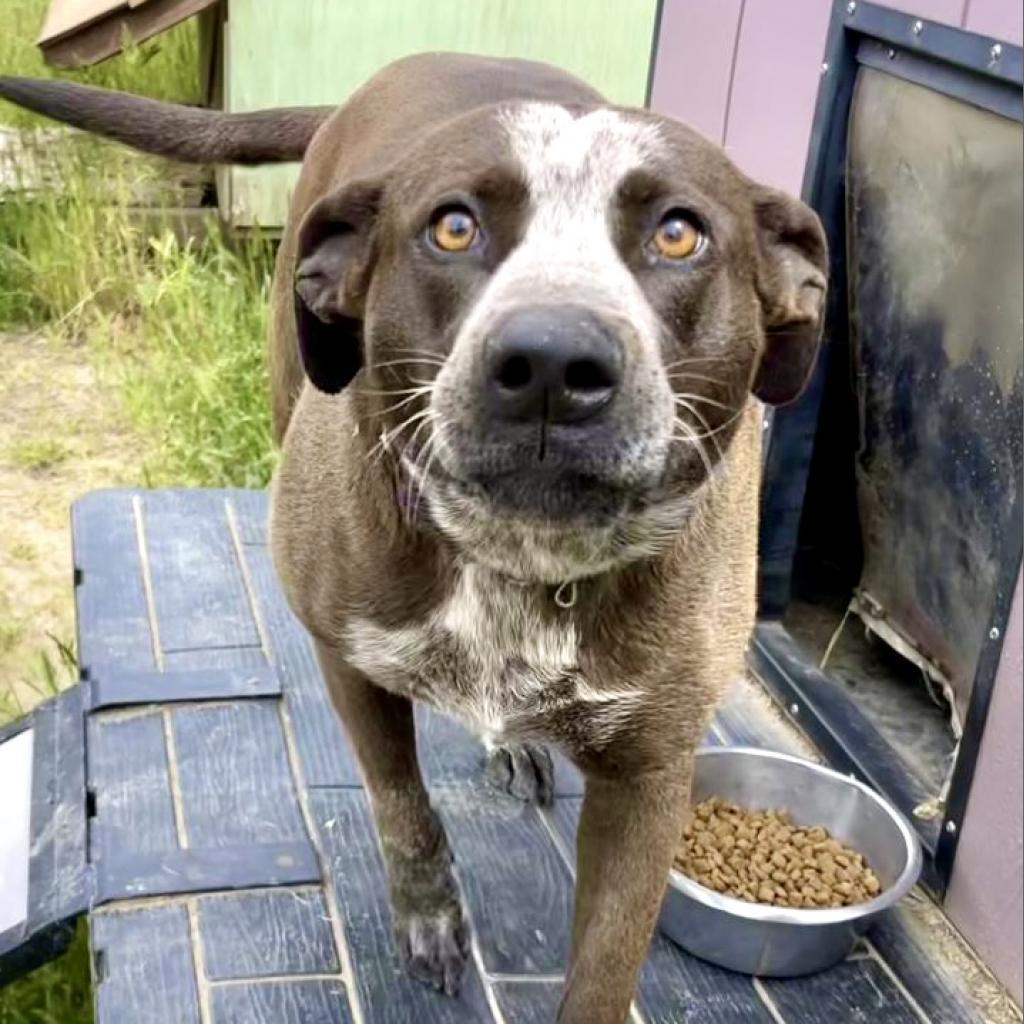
x: 281, y: 1002
x: 278, y: 932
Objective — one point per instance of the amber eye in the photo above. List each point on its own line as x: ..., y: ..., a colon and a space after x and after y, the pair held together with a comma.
x: 454, y: 230
x: 677, y: 237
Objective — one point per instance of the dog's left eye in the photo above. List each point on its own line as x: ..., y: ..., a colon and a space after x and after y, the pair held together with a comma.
x: 677, y: 237
x: 454, y: 230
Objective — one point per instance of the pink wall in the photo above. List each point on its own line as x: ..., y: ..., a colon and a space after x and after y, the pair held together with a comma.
x: 746, y: 72
x: 986, y: 896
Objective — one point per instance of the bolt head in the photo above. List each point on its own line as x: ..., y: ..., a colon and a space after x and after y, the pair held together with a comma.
x: 794, y: 709
x: 851, y: 7
x: 996, y: 52
x: 993, y: 633
x: 951, y: 827
x: 917, y: 28
x: 891, y: 54
x: 824, y: 67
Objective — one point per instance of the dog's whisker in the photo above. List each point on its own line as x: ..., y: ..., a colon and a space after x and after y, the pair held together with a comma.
x: 688, y: 407
x: 722, y: 426
x: 407, y: 362
x: 418, y: 393
x: 690, y: 436
x: 387, y: 436
x: 689, y: 360
x: 687, y: 375
x: 678, y: 399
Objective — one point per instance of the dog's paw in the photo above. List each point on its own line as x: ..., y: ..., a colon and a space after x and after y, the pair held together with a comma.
x: 523, y: 771
x: 433, y: 947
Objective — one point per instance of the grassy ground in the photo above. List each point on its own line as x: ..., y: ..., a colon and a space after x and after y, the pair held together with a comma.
x: 125, y: 358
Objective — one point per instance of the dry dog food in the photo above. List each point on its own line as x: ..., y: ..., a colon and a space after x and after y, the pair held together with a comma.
x: 762, y: 857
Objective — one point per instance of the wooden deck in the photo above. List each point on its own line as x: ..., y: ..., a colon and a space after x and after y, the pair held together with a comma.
x: 230, y: 867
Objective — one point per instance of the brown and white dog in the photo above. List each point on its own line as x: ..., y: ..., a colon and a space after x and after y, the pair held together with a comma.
x: 519, y: 337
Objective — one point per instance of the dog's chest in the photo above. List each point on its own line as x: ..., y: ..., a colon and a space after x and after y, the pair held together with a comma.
x: 492, y: 655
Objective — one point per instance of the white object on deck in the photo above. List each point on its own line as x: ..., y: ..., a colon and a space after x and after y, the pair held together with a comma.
x: 15, y: 821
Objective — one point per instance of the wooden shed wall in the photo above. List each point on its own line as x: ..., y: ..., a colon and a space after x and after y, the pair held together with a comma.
x: 745, y: 72
x: 319, y: 51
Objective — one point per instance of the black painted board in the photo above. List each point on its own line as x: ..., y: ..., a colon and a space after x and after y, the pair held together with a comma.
x: 277, y: 932
x: 144, y: 967
x: 853, y: 992
x: 528, y: 1002
x: 385, y: 993
x: 112, y: 619
x: 324, y: 751
x: 130, y: 783
x: 112, y: 688
x: 675, y: 988
x: 198, y: 590
x: 251, y: 509
x: 518, y: 889
x: 913, y: 952
x: 127, y: 874
x: 235, y: 779
x: 58, y: 883
x: 237, y: 659
x: 281, y: 1002
x: 449, y: 753
x: 564, y: 816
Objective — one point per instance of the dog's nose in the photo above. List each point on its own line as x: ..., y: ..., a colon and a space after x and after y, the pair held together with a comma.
x: 555, y: 363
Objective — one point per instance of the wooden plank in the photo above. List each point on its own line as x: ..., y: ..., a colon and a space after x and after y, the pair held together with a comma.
x: 144, y: 967
x: 129, y: 874
x: 251, y: 509
x: 111, y: 615
x: 694, y: 60
x: 748, y: 718
x: 58, y: 876
x: 775, y: 85
x: 675, y: 987
x: 198, y: 592
x: 235, y: 780
x: 131, y: 787
x: 221, y: 658
x: 605, y: 42
x: 517, y: 887
x: 564, y: 816
x: 281, y: 1002
x: 278, y: 932
x: 324, y: 752
x: 528, y: 1002
x: 115, y: 689
x: 385, y: 993
x: 854, y: 992
x: 916, y: 941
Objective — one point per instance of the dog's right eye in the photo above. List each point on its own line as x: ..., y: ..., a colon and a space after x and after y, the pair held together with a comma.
x: 454, y: 230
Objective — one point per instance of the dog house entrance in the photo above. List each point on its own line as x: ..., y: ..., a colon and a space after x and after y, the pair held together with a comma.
x: 892, y: 490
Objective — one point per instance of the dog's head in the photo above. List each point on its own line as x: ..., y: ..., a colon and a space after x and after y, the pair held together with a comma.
x: 560, y: 315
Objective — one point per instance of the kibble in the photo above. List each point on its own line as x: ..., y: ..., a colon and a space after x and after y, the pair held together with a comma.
x: 762, y: 857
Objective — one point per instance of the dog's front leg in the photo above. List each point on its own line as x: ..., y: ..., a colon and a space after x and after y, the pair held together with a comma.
x: 629, y: 829
x: 430, y: 929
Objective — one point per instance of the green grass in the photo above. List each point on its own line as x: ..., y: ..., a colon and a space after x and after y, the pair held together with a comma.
x: 179, y: 326
x: 165, y: 67
x: 38, y: 453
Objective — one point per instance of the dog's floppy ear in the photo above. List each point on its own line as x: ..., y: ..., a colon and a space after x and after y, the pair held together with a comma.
x: 334, y: 260
x: 791, y: 279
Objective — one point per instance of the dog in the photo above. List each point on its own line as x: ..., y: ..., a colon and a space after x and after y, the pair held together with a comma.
x: 521, y: 341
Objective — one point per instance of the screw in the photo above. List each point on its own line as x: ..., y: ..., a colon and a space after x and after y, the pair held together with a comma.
x: 993, y: 633
x: 891, y: 54
x: 917, y: 28
x: 851, y: 7
x: 794, y: 709
x: 996, y: 52
x: 951, y: 827
x: 824, y: 67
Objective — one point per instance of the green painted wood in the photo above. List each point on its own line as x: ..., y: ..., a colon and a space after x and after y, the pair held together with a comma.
x: 320, y: 51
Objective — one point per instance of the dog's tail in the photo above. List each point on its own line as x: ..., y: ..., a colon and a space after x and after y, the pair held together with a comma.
x: 187, y: 134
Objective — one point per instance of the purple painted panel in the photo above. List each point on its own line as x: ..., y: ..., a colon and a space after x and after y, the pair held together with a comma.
x: 1003, y: 19
x: 949, y: 12
x: 693, y: 66
x: 778, y: 68
x: 985, y: 898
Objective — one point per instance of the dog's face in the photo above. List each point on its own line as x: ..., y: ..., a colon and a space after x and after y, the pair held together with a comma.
x: 560, y: 315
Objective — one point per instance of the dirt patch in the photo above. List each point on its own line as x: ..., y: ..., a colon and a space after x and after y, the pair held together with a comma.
x: 63, y: 432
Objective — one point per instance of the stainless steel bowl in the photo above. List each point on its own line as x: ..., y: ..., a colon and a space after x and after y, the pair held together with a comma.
x: 779, y: 941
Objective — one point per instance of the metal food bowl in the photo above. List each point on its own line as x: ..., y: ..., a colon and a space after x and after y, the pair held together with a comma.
x: 781, y: 941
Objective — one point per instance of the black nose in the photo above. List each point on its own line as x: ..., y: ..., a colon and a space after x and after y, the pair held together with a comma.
x: 560, y: 364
